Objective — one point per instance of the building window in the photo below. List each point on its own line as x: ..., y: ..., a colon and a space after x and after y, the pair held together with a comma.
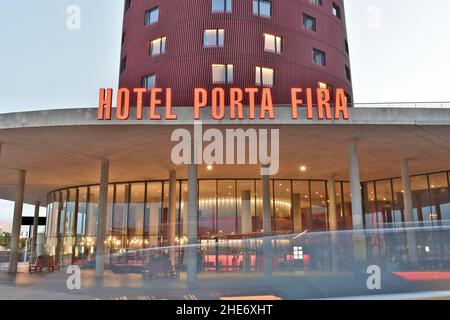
x: 273, y: 43
x: 262, y: 8
x: 329, y: 87
x: 336, y: 10
x: 319, y: 57
x: 346, y: 46
x: 123, y: 64
x: 264, y: 77
x: 222, y: 6
x: 348, y: 74
x: 222, y: 73
x: 149, y: 81
x: 123, y: 38
x: 298, y: 253
x: 151, y: 16
x: 127, y: 5
x: 317, y: 2
x: 309, y: 22
x: 323, y: 85
x: 348, y: 97
x: 158, y: 46
x: 213, y: 38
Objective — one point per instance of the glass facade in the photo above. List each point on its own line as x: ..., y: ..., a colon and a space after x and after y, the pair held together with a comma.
x: 137, y: 214
x: 230, y: 219
x: 384, y: 209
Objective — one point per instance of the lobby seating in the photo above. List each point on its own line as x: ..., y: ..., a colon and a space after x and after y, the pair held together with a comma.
x: 43, y: 263
x: 38, y: 266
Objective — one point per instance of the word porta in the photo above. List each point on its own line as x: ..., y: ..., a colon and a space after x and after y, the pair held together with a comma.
x: 215, y: 100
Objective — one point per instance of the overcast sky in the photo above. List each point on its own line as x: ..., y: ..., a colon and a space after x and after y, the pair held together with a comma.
x: 400, y: 51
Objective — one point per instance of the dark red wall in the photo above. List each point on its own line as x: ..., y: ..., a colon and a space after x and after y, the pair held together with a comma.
x: 187, y: 64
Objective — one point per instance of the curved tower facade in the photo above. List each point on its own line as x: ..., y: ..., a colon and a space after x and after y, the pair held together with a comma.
x: 183, y: 44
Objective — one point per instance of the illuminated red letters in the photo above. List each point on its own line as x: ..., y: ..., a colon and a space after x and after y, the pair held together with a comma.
x: 324, y: 104
x: 217, y: 100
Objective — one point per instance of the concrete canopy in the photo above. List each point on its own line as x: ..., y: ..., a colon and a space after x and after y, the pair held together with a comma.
x: 62, y: 148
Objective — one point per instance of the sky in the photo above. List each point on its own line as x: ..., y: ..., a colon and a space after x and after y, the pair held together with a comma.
x: 399, y: 50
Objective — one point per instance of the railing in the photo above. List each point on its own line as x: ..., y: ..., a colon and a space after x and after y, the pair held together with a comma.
x: 415, y: 105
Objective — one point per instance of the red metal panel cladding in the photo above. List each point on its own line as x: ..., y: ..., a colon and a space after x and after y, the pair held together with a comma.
x: 187, y: 64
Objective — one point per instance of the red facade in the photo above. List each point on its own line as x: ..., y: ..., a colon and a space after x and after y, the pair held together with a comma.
x: 186, y: 64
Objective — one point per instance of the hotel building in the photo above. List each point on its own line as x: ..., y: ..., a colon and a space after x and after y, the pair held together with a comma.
x: 112, y: 191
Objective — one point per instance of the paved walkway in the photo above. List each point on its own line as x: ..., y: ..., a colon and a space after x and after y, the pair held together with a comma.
x: 209, y: 286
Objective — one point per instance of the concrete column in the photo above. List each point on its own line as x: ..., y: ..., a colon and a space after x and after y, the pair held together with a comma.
x: 297, y: 209
x: 17, y: 222
x: 246, y: 212
x: 102, y: 212
x: 192, y: 263
x: 267, y: 226
x: 37, y: 206
x: 359, y: 240
x: 246, y: 227
x: 332, y: 220
x: 355, y: 185
x: 408, y: 213
x: 332, y: 211
x: 172, y: 214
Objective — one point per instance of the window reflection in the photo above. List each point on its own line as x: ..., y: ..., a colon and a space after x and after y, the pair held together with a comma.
x: 245, y: 196
x: 109, y: 210
x: 207, y: 207
x: 398, y: 202
x: 421, y: 199
x: 384, y: 203
x: 440, y: 197
x: 69, y: 207
x: 347, y: 198
x: 319, y: 206
x: 301, y: 202
x: 226, y: 210
x: 152, y: 214
x: 92, y: 211
x: 370, y: 208
x: 120, y: 211
x: 283, y: 207
x: 136, y: 215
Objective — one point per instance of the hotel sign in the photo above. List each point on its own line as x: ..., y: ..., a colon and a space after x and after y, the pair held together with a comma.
x: 215, y: 101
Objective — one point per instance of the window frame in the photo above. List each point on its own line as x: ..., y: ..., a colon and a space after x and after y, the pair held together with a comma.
x: 323, y: 53
x: 162, y: 46
x: 144, y: 81
x: 348, y: 73
x: 217, y: 38
x: 336, y: 10
x: 227, y: 73
x: 258, y: 12
x: 278, y: 43
x: 259, y: 70
x: 305, y: 18
x: 148, y: 13
x: 225, y: 6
